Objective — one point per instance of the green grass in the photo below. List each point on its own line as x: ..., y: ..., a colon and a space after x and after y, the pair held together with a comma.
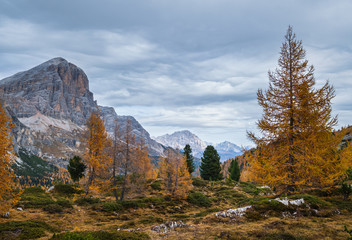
x: 151, y: 220
x: 24, y: 229
x: 179, y: 216
x: 100, y: 235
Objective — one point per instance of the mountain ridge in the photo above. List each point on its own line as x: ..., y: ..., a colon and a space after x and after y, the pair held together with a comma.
x: 50, y: 104
x: 179, y: 139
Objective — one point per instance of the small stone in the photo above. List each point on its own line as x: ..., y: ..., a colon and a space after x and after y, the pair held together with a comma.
x: 6, y: 215
x: 19, y: 209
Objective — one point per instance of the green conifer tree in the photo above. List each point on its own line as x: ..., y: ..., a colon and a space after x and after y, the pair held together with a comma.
x: 189, y: 158
x: 234, y: 170
x: 210, y: 168
x: 76, y: 168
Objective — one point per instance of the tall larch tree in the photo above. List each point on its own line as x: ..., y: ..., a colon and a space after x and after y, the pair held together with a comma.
x: 116, y: 154
x: 210, y: 168
x: 7, y: 176
x: 143, y: 168
x: 173, y: 170
x: 187, y: 151
x: 96, y: 157
x: 297, y: 147
x: 127, y: 160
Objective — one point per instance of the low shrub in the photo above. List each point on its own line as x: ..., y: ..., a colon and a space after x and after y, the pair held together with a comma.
x: 35, y: 197
x: 100, y: 235
x: 154, y: 200
x: 199, y: 199
x: 314, y: 201
x: 128, y: 225
x: 250, y: 188
x: 25, y: 229
x: 349, y: 231
x: 179, y: 216
x: 198, y: 182
x: 53, y: 208
x: 156, y: 185
x: 67, y: 189
x: 112, y: 207
x: 87, y: 201
x: 206, y: 212
x: 64, y: 203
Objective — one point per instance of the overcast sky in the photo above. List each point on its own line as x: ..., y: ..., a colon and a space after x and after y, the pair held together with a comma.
x: 181, y: 64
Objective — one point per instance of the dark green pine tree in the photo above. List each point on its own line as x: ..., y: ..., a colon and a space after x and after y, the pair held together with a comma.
x: 76, y: 168
x: 234, y: 170
x: 210, y: 168
x: 187, y: 151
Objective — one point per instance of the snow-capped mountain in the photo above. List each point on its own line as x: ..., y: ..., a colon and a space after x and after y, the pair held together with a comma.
x: 179, y: 140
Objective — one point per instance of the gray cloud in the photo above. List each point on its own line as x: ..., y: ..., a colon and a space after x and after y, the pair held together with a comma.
x: 181, y: 64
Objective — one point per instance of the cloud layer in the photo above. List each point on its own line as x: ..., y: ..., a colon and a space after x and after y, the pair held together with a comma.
x: 178, y: 65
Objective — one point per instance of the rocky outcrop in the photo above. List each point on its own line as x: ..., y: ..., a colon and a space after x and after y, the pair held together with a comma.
x: 50, y: 104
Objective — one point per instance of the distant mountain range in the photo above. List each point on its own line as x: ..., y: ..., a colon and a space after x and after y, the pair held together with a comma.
x: 179, y: 139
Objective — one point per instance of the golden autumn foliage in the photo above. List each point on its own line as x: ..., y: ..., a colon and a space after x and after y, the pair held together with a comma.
x: 7, y: 177
x: 96, y: 156
x: 142, y: 169
x: 297, y: 147
x: 130, y: 161
x: 173, y: 170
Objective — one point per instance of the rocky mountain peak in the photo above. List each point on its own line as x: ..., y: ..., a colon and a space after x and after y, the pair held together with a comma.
x: 55, y: 88
x: 179, y: 140
x: 50, y: 103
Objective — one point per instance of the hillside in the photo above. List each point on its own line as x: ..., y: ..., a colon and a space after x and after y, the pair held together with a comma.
x: 213, y: 211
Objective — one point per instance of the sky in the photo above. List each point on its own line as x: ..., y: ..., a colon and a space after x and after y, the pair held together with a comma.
x: 185, y: 64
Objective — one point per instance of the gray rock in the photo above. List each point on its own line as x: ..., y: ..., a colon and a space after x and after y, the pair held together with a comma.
x: 6, y: 215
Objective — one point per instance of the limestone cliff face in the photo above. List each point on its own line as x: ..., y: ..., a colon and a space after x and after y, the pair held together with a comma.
x: 50, y: 104
x: 55, y: 88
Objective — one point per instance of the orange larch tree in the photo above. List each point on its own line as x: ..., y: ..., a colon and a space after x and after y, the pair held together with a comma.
x: 96, y: 156
x: 142, y: 167
x: 173, y: 170
x: 297, y: 147
x: 7, y: 176
x: 127, y: 159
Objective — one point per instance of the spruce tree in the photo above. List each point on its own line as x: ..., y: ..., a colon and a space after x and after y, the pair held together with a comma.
x: 234, y: 170
x: 76, y: 168
x: 210, y: 168
x: 189, y: 158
